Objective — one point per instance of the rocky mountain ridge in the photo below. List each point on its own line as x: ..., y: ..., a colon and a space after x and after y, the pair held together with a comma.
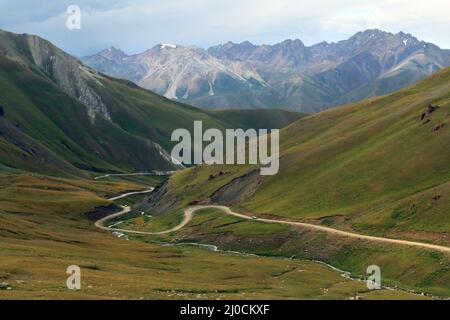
x: 286, y: 75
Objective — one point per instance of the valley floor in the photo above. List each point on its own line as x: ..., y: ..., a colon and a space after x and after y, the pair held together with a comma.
x: 44, y: 229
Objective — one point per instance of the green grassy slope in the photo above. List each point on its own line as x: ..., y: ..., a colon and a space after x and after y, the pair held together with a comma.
x: 19, y: 151
x: 365, y: 157
x: 371, y: 166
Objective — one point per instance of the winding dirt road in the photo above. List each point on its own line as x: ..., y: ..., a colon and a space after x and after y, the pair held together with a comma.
x: 131, y: 194
x: 101, y: 223
x: 154, y: 174
x: 189, y: 213
x: 334, y: 231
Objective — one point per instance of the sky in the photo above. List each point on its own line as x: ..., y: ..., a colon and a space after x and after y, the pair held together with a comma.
x: 137, y: 25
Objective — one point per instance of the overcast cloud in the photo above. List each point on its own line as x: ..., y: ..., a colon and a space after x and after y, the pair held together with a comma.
x: 136, y: 25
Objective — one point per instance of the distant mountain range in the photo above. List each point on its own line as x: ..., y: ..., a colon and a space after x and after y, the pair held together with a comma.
x: 286, y: 75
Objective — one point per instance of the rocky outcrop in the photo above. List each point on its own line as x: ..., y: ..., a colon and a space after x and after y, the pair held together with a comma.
x: 430, y: 109
x: 161, y: 200
x: 438, y: 127
x: 74, y: 78
x: 425, y: 117
x: 237, y: 190
x: 69, y: 74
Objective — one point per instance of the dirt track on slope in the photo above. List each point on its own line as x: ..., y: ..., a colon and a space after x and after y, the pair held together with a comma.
x: 190, y: 211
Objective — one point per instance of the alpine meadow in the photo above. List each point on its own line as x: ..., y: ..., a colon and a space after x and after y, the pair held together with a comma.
x: 236, y: 152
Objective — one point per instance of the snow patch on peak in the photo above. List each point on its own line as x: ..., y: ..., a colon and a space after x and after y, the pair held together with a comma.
x: 168, y: 45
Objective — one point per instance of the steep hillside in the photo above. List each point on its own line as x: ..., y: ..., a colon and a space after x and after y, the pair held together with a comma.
x: 381, y: 166
x: 92, y: 121
x: 19, y: 151
x: 286, y: 75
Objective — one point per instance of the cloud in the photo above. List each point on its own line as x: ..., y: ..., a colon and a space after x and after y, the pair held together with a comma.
x: 138, y: 25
